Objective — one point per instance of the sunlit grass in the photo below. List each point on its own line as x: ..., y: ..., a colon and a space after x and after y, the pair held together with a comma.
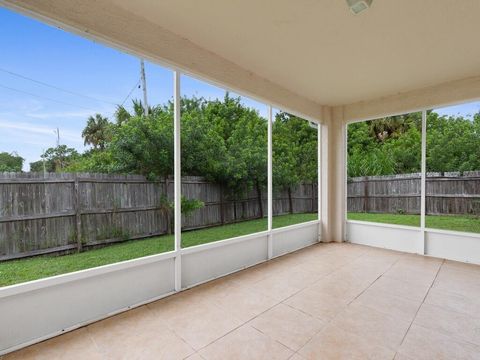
x: 17, y: 271
x: 466, y: 223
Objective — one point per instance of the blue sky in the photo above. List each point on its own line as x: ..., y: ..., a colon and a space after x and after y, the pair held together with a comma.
x: 465, y: 110
x: 99, y: 76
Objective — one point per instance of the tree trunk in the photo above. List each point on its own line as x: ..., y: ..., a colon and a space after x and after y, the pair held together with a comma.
x: 166, y: 187
x: 290, y: 201
x: 244, y: 205
x: 172, y: 223
x: 166, y: 211
x: 260, y: 201
x: 235, y: 208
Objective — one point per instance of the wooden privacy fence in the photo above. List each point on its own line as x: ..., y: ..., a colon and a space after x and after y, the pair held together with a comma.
x: 64, y: 212
x: 446, y: 193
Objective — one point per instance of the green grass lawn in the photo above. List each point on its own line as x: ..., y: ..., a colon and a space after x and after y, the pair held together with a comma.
x: 17, y: 271
x: 451, y: 222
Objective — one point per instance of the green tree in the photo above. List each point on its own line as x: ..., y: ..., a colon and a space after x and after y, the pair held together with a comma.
x: 404, y: 152
x: 167, y: 208
x: 97, y: 132
x: 384, y: 146
x: 393, y: 145
x: 294, y: 153
x: 247, y: 156
x: 37, y: 166
x: 453, y: 143
x: 56, y: 159
x: 90, y: 161
x: 394, y: 126
x: 144, y: 145
x: 122, y: 114
x: 222, y: 140
x: 11, y: 162
x: 203, y: 147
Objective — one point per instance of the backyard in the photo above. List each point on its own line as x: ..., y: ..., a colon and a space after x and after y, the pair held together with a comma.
x: 27, y: 269
x: 463, y: 223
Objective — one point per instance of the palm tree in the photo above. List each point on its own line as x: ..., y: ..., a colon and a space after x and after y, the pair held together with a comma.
x: 122, y: 114
x: 392, y: 126
x: 97, y: 132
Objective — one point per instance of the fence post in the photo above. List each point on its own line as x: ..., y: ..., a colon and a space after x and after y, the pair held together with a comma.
x: 313, y: 197
x: 222, y: 207
x: 366, y: 195
x: 78, y: 215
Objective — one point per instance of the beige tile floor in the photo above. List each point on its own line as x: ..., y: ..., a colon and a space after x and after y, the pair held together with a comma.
x: 329, y: 301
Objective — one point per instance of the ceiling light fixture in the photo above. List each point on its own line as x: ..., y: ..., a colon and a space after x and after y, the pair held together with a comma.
x: 357, y: 6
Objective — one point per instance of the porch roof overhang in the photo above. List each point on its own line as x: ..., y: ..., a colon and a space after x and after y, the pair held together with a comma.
x: 303, y: 56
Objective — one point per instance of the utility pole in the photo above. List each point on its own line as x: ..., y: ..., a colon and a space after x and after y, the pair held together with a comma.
x: 144, y: 87
x: 44, y: 168
x: 58, y: 136
x: 58, y: 162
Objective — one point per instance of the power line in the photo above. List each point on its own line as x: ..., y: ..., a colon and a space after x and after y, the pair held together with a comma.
x: 112, y: 115
x: 137, y: 84
x: 54, y: 86
x: 44, y: 97
x: 130, y: 93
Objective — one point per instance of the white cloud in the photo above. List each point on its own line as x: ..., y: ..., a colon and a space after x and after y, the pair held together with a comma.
x: 34, y: 129
x: 61, y: 114
x: 20, y: 105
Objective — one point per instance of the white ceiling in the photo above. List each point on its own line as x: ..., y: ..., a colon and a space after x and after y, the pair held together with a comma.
x: 319, y: 50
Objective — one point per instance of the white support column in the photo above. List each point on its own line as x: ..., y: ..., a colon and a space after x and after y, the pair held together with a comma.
x: 423, y: 186
x: 270, y: 182
x: 177, y: 180
x: 333, y: 175
x: 324, y: 175
x: 345, y: 181
x: 340, y: 179
x: 319, y: 180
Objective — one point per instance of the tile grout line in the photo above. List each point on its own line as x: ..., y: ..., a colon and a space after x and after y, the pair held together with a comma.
x: 251, y: 319
x: 92, y: 338
x: 327, y: 322
x: 396, y: 351
x: 314, y: 317
x: 260, y: 331
x: 229, y: 332
x: 421, y: 304
x: 348, y: 304
x: 374, y: 281
x: 239, y: 326
x: 334, y: 317
x: 276, y: 304
x: 189, y: 356
x: 235, y: 328
x: 449, y: 309
x: 169, y: 328
x: 338, y: 314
